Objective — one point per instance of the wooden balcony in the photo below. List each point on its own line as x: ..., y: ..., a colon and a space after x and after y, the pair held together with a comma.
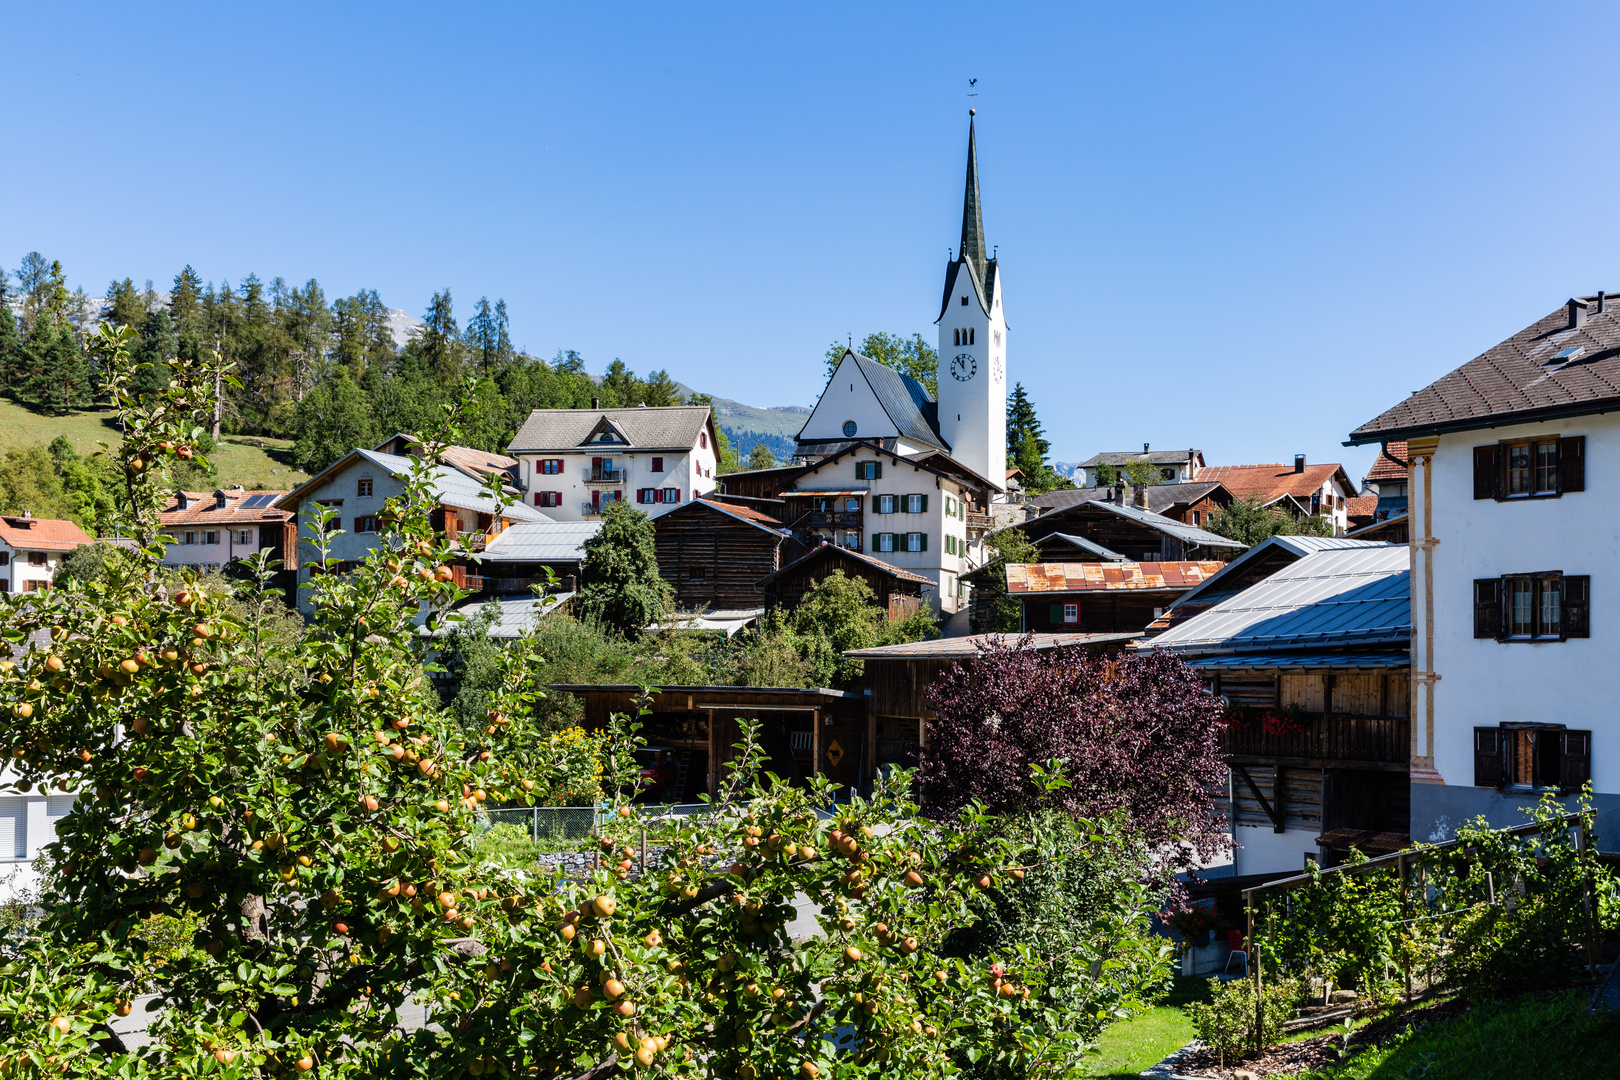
x: 831, y: 518
x: 1313, y: 738
x: 980, y: 521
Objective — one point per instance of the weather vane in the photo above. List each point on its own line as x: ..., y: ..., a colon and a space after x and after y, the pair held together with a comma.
x: 972, y: 93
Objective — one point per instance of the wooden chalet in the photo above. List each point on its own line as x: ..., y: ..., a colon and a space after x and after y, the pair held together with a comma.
x: 897, y: 675
x: 713, y: 553
x: 761, y: 483
x: 1100, y: 597
x: 1133, y: 532
x: 804, y: 731
x: 899, y: 591
x: 1314, y: 665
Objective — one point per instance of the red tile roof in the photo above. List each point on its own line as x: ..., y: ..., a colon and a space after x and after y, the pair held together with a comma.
x: 1271, y: 482
x: 204, y: 509
x: 1391, y: 463
x: 1106, y: 577
x: 1359, y: 510
x: 745, y: 513
x: 42, y: 534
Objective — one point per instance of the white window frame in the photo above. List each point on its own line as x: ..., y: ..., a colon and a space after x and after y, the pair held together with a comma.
x: 210, y: 536
x: 914, y: 504
x: 883, y: 542
x: 244, y: 537
x: 1071, y: 614
x: 914, y: 541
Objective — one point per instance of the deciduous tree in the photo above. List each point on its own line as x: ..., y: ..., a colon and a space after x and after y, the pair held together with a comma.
x: 619, y: 582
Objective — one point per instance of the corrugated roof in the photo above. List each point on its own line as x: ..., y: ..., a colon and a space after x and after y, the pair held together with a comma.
x: 1074, y: 577
x: 667, y: 427
x: 963, y: 648
x: 455, y: 488
x: 1517, y: 380
x: 514, y: 615
x: 542, y: 541
x: 1328, y: 598
x: 1084, y: 545
x: 1301, y: 659
x: 42, y: 534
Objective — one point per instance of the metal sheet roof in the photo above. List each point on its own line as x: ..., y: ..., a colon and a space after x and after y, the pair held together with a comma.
x: 514, y: 615
x: 1070, y: 577
x: 970, y: 646
x: 1188, y: 534
x: 542, y: 541
x: 1300, y: 546
x: 1327, y: 659
x: 1328, y: 598
x: 454, y: 488
x: 1085, y: 545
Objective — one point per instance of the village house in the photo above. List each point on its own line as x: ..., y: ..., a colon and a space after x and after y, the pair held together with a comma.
x: 1134, y: 532
x: 571, y: 463
x: 899, y: 592
x: 357, y: 486
x: 1312, y: 490
x: 212, y: 528
x: 1099, y: 597
x: 1167, y: 466
x: 1312, y: 659
x: 713, y: 554
x: 1513, y: 461
x: 1379, y: 512
x: 32, y: 548
x: 1191, y: 503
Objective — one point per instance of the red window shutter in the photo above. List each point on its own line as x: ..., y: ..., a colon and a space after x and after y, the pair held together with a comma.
x: 658, y: 464
x: 559, y: 466
x: 1572, y: 464
x: 537, y: 497
x: 596, y: 498
x: 1487, y: 472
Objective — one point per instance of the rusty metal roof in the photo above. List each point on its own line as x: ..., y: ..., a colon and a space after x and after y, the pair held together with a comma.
x: 1071, y: 577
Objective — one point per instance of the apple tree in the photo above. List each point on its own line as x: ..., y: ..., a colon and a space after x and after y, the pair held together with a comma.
x: 312, y: 809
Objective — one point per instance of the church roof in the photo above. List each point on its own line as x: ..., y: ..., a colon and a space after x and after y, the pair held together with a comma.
x: 914, y: 414
x: 972, y: 254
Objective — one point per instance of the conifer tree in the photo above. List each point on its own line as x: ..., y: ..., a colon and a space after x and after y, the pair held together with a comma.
x: 10, y: 341
x: 185, y: 308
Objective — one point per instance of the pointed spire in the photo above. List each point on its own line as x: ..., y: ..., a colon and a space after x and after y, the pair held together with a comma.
x: 972, y: 247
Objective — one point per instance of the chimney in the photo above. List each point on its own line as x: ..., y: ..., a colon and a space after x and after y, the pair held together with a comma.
x: 1601, y: 296
x: 28, y: 513
x: 1299, y: 463
x: 1144, y: 448
x: 1577, y: 313
x: 1119, y: 491
x: 1140, y: 496
x: 596, y: 403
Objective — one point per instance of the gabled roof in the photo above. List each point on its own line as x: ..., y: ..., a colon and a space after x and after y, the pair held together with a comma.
x: 1333, y: 599
x: 1082, y: 577
x: 476, y: 463
x: 833, y: 552
x: 1391, y: 464
x: 906, y: 402
x: 541, y: 541
x: 1160, y: 496
x: 1373, y: 530
x: 1155, y: 457
x: 241, y: 508
x: 1530, y: 376
x: 745, y: 514
x: 1089, y: 546
x: 1271, y: 482
x: 452, y: 488
x: 1359, y: 510
x: 674, y: 428
x: 42, y: 534
x: 1259, y: 562
x: 856, y: 447
x: 1187, y: 534
x: 938, y: 459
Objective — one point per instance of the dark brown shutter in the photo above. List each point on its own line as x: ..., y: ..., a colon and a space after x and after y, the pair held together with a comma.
x: 1574, y: 759
x: 1488, y: 607
x: 1487, y: 471
x: 1487, y: 757
x: 1577, y: 618
x: 1572, y: 464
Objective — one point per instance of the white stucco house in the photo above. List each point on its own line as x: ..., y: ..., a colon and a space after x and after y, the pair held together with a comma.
x: 1512, y: 502
x: 570, y: 463
x: 212, y: 528
x: 31, y: 548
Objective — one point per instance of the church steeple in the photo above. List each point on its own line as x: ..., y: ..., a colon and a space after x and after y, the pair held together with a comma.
x: 972, y: 248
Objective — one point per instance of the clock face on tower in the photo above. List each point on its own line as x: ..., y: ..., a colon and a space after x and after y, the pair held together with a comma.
x: 964, y: 367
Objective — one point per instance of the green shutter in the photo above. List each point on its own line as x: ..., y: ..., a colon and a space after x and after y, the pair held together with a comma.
x: 860, y: 470
x: 922, y: 541
x: 877, y: 470
x: 1055, y: 614
x: 925, y: 504
x: 875, y: 509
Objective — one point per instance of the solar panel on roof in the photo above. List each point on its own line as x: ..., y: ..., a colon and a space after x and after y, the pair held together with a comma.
x: 256, y: 501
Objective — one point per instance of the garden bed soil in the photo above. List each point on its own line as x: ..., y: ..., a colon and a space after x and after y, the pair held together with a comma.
x: 1287, y: 1059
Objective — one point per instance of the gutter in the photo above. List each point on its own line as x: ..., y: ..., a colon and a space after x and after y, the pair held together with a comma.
x: 1524, y: 416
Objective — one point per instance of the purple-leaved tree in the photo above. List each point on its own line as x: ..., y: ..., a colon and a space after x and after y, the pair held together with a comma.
x: 1137, y: 732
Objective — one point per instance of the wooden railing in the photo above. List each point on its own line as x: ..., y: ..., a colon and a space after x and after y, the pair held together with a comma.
x: 1342, y: 738
x: 827, y: 518
x: 980, y: 521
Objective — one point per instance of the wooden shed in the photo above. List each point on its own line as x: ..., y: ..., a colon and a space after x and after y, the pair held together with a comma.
x: 714, y: 554
x: 897, y: 590
x: 897, y: 675
x: 804, y: 731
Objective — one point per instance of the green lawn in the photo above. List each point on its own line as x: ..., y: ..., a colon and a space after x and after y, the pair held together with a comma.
x: 241, y: 459
x: 1545, y: 1037
x: 1132, y: 1045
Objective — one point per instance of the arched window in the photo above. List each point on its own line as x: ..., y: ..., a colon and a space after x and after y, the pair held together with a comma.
x: 970, y: 336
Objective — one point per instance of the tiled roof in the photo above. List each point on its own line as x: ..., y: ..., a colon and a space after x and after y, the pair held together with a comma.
x: 833, y: 551
x: 204, y: 509
x: 1333, y: 599
x: 1073, y: 577
x: 1160, y: 496
x: 476, y: 463
x: 1153, y: 457
x: 1359, y: 510
x: 42, y: 534
x: 1521, y: 379
x: 1391, y: 463
x: 1274, y: 481
x: 669, y: 427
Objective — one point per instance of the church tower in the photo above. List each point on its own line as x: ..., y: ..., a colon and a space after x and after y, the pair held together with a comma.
x: 973, y: 345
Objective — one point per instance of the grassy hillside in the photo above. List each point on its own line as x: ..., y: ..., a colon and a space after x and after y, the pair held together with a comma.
x: 245, y: 460
x: 776, y: 426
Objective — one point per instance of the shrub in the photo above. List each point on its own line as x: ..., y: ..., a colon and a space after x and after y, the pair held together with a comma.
x: 1227, y: 1023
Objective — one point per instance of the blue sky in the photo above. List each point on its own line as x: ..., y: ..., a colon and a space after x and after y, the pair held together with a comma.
x: 1246, y: 228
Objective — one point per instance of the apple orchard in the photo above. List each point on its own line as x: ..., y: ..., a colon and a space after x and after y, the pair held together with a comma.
x: 312, y: 812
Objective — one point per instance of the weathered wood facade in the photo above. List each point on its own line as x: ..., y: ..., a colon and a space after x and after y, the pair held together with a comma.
x: 761, y: 483
x: 788, y: 585
x: 714, y: 554
x: 803, y: 731
x: 1100, y: 612
x: 1129, y: 534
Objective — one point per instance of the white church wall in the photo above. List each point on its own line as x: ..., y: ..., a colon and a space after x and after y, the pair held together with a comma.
x: 847, y: 397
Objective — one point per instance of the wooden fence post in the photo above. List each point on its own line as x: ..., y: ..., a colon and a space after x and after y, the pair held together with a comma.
x: 1406, y: 956
x: 1259, y: 1001
x: 1582, y: 848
